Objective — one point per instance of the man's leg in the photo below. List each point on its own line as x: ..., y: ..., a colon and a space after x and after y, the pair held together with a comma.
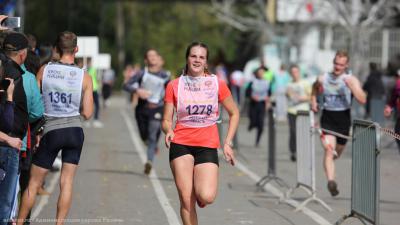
x: 28, y: 198
x: 142, y: 120
x: 96, y: 105
x: 68, y: 171
x: 154, y: 128
x: 329, y: 165
x: 260, y: 110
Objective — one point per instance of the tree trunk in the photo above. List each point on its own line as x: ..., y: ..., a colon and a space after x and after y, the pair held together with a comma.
x: 358, y: 51
x: 120, y: 25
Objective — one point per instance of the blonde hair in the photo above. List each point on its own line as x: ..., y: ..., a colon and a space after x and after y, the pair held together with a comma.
x: 343, y: 53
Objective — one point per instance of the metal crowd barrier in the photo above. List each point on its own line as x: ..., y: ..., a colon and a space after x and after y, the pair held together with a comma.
x: 305, y: 144
x: 271, y: 174
x: 365, y: 172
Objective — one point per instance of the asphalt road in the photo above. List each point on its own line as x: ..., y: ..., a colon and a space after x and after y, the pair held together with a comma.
x: 111, y: 188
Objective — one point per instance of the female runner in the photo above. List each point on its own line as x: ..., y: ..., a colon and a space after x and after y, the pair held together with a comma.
x: 193, y: 142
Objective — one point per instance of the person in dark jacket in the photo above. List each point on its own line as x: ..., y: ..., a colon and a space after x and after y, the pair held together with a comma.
x: 375, y: 94
x: 15, y: 47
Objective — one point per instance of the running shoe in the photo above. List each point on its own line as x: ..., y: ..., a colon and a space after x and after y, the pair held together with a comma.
x: 332, y: 187
x: 98, y: 124
x: 201, y: 205
x: 87, y: 124
x: 147, y: 168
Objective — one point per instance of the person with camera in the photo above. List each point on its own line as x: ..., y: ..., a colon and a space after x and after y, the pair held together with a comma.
x: 7, y: 116
x: 15, y: 50
x: 67, y: 96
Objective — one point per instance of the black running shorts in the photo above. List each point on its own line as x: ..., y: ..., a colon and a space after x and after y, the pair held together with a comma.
x: 69, y: 140
x: 200, y: 154
x: 338, y: 121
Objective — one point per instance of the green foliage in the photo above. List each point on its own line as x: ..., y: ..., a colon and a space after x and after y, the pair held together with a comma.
x: 170, y: 28
x: 167, y: 27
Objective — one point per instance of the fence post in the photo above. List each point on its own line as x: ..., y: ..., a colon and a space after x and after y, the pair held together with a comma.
x: 271, y: 173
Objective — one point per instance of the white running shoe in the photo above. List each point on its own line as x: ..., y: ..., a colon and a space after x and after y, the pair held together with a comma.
x: 87, y: 124
x: 98, y: 124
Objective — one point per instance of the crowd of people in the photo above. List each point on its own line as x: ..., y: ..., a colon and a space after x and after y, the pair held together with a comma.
x: 330, y: 95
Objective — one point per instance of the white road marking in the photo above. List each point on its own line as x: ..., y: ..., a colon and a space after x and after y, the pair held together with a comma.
x: 44, y: 199
x: 160, y: 193
x: 313, y: 215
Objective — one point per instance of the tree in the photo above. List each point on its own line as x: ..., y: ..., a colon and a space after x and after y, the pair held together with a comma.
x: 258, y: 16
x: 247, y: 17
x: 361, y: 19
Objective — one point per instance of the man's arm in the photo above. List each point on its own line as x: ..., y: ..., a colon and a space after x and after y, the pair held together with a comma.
x: 87, y: 99
x: 354, y: 85
x: 39, y: 78
x: 316, y: 89
x: 133, y: 83
x: 11, y: 141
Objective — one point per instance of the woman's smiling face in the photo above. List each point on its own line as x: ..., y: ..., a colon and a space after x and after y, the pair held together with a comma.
x: 197, y: 61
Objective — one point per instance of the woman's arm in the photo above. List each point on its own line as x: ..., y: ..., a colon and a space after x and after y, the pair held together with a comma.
x: 233, y: 113
x: 166, y: 124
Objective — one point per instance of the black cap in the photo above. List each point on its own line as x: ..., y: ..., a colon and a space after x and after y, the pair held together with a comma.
x: 15, y: 42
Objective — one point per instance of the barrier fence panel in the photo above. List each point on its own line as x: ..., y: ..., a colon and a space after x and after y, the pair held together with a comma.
x: 365, y: 172
x: 305, y: 144
x: 305, y: 150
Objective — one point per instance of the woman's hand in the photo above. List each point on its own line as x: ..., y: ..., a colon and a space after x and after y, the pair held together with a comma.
x: 229, y: 155
x: 169, y: 136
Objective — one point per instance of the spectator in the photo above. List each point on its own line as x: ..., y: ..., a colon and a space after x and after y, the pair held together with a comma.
x: 393, y: 104
x: 298, y: 94
x: 15, y: 46
x: 281, y: 80
x: 107, y: 84
x: 375, y: 94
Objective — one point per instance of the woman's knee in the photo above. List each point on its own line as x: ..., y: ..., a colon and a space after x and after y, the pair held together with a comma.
x: 206, y: 197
